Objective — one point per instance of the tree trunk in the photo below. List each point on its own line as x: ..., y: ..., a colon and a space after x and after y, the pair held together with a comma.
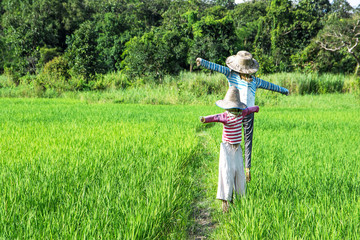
x: 191, y: 67
x: 357, y: 73
x: 357, y: 64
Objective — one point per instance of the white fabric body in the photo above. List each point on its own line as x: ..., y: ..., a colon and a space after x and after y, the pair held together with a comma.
x: 247, y: 96
x: 231, y: 172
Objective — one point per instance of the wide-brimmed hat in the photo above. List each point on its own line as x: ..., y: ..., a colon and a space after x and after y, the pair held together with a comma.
x: 242, y: 62
x: 231, y: 100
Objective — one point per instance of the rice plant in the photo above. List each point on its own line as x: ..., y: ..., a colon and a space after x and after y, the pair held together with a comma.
x: 74, y: 169
x: 305, y: 172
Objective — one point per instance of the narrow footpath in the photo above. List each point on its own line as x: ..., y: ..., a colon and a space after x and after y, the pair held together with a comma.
x: 203, y: 223
x: 202, y: 216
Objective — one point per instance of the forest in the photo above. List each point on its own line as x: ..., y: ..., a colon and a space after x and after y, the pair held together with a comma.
x: 53, y: 41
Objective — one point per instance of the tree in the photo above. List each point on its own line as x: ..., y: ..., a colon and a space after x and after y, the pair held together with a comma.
x: 82, y: 51
x: 155, y: 54
x: 229, y: 4
x: 28, y: 26
x: 341, y: 9
x: 214, y: 39
x: 113, y: 33
x: 342, y: 35
x: 142, y: 15
x: 308, y: 15
x: 181, y: 16
x: 246, y: 18
x: 76, y: 12
x: 287, y: 29
x: 2, y: 45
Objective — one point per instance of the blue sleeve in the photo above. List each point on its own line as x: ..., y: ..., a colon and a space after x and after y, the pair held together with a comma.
x: 270, y: 86
x: 215, y: 67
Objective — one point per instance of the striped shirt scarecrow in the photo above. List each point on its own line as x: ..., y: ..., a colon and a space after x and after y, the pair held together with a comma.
x: 240, y: 72
x: 231, y: 166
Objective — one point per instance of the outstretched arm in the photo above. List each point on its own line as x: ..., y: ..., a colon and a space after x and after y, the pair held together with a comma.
x: 213, y: 66
x: 214, y: 118
x: 250, y: 110
x: 270, y: 86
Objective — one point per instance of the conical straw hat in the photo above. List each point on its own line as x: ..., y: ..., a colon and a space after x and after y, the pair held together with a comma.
x: 242, y: 62
x: 231, y: 100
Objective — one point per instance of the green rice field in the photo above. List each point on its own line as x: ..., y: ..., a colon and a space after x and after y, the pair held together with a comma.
x: 70, y: 169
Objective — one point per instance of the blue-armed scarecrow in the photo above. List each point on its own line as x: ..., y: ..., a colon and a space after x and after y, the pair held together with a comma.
x: 240, y: 72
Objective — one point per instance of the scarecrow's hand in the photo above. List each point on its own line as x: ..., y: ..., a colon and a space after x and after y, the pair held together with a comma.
x: 202, y: 119
x: 248, y: 175
x: 198, y: 60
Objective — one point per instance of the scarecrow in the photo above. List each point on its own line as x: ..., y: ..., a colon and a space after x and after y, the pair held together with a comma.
x: 240, y: 73
x: 231, y: 166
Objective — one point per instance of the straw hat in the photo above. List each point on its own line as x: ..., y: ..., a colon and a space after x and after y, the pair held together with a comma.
x: 242, y: 62
x: 231, y: 100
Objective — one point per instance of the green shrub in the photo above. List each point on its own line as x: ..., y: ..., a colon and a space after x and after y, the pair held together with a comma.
x: 46, y: 55
x: 310, y: 83
x: 78, y: 83
x: 82, y: 53
x: 114, y: 80
x: 330, y: 83
x: 201, y: 84
x: 155, y: 54
x: 12, y: 77
x: 27, y: 79
x: 3, y: 79
x: 352, y: 84
x: 286, y: 80
x: 55, y: 75
x: 57, y: 68
x: 186, y: 88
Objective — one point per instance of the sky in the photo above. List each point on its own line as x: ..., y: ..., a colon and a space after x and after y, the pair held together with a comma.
x: 353, y: 3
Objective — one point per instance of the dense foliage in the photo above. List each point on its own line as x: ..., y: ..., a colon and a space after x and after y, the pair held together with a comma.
x: 150, y: 39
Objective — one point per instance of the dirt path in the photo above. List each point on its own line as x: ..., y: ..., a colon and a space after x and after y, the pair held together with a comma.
x: 203, y: 224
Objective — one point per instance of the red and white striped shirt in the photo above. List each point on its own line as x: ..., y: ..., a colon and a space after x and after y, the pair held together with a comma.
x: 232, y: 129
x: 232, y: 124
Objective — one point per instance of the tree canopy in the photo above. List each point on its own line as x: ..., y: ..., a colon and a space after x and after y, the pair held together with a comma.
x: 159, y: 37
